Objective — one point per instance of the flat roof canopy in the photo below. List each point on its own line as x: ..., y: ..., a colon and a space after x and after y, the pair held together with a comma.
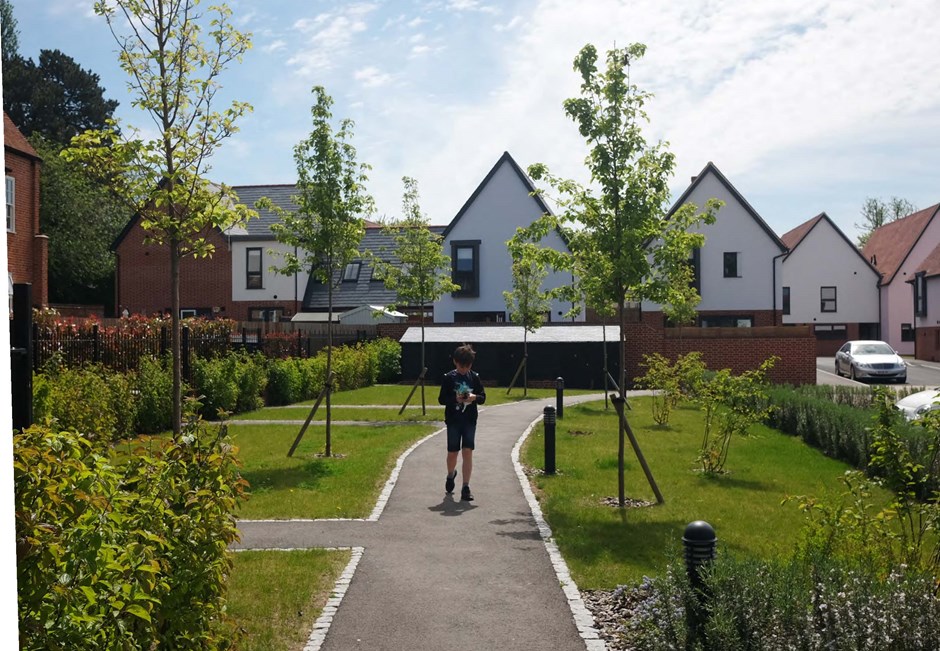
x: 512, y: 334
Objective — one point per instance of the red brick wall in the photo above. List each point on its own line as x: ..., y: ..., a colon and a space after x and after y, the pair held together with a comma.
x: 26, y: 248
x: 143, y: 277
x: 927, y: 344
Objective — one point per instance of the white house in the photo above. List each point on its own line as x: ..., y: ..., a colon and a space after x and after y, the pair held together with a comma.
x: 476, y: 241
x: 828, y: 284
x: 738, y: 270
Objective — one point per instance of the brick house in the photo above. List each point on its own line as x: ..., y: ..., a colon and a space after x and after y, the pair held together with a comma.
x: 27, y: 247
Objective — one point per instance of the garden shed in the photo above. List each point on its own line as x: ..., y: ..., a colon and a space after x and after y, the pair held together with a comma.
x: 574, y: 352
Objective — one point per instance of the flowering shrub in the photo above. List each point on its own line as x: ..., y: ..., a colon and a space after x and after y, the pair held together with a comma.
x: 811, y: 603
x: 124, y: 557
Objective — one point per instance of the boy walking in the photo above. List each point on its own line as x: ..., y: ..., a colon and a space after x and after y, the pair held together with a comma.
x: 461, y: 392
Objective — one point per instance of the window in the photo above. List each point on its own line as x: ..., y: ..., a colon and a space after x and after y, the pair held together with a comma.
x: 253, y: 267
x: 267, y: 314
x: 479, y: 317
x: 465, y: 267
x: 827, y: 299
x: 727, y: 321
x: 731, y: 265
x: 836, y: 332
x: 907, y: 332
x: 351, y: 272
x: 920, y: 294
x: 186, y: 313
x: 11, y: 204
x: 786, y: 300
x: 696, y: 263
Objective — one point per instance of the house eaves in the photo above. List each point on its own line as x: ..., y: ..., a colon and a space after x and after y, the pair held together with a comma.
x: 526, y: 182
x: 710, y: 168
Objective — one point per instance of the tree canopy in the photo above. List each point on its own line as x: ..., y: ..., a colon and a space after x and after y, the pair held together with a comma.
x: 624, y: 244
x: 327, y: 227
x: 878, y: 212
x: 174, y: 76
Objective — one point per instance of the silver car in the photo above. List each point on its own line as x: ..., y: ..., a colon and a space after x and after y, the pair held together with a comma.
x: 870, y: 360
x: 917, y: 404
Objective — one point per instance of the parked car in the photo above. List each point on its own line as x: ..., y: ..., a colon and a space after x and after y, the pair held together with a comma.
x: 870, y: 360
x: 917, y: 404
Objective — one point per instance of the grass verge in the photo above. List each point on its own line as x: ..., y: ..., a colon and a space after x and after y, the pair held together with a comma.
x: 307, y: 485
x: 275, y: 597
x: 606, y: 546
x: 395, y: 394
x: 344, y: 412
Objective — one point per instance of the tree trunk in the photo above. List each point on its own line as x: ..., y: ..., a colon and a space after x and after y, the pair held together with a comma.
x: 329, y: 365
x: 423, y: 408
x: 525, y: 366
x: 621, y: 493
x: 175, y: 336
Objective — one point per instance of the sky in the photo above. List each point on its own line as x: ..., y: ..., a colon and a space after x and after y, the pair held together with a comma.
x: 805, y: 105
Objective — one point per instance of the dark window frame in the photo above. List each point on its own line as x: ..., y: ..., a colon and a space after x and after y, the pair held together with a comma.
x: 278, y: 312
x: 908, y: 332
x: 731, y: 266
x: 696, y: 263
x: 920, y: 294
x: 720, y: 320
x: 485, y: 316
x: 11, y: 203
x: 254, y: 279
x: 352, y: 277
x: 473, y: 275
x: 786, y: 300
x: 824, y: 300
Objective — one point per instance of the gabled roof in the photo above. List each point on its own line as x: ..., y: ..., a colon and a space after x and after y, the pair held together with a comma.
x: 710, y: 168
x: 795, y: 237
x: 526, y: 181
x: 930, y: 266
x: 13, y: 139
x: 365, y: 291
x: 890, y: 245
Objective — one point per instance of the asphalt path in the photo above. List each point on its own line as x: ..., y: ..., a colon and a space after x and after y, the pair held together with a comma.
x: 437, y: 573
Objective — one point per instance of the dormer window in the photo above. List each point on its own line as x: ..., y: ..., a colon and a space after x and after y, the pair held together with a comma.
x: 351, y: 272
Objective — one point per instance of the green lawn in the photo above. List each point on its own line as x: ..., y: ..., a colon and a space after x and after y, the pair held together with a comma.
x: 605, y: 546
x: 395, y: 394
x: 344, y: 412
x: 275, y: 597
x: 306, y: 485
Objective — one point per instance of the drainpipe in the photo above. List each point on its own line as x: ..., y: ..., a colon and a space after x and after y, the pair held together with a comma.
x: 773, y: 273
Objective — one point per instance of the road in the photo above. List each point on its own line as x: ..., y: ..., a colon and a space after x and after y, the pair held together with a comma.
x: 919, y: 373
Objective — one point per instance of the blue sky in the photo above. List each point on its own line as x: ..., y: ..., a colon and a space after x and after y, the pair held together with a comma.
x: 805, y: 105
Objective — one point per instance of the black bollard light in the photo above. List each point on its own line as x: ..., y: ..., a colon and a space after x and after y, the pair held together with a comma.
x: 699, y: 541
x: 548, y: 420
x: 560, y: 396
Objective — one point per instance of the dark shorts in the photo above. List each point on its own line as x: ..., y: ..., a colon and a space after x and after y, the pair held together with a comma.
x: 461, y: 435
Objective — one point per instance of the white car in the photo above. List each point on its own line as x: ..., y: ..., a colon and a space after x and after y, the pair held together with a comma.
x: 917, y: 404
x: 870, y: 360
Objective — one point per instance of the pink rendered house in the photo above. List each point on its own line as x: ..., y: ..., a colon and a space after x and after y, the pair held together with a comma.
x: 898, y: 250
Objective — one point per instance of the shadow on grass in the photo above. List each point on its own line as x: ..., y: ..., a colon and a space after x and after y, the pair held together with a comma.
x: 306, y: 476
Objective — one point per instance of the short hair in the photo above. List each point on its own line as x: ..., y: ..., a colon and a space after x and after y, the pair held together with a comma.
x: 464, y: 355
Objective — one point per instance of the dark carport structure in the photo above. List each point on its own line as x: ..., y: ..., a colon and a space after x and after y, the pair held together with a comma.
x: 574, y: 352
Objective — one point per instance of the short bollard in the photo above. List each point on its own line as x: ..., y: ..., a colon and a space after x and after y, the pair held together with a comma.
x: 560, y: 396
x: 548, y: 420
x: 699, y: 541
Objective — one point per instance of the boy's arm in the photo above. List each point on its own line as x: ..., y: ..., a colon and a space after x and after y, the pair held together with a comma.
x: 445, y: 394
x: 479, y: 391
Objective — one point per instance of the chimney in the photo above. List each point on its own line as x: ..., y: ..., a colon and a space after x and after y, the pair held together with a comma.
x: 693, y: 179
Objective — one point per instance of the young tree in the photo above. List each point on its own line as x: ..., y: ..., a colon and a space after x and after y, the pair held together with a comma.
x: 174, y: 76
x: 527, y: 303
x: 878, y: 212
x: 9, y: 34
x: 422, y: 274
x: 328, y: 225
x: 625, y: 247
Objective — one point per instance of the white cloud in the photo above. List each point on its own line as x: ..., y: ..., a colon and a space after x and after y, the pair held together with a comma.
x: 471, y: 5
x: 328, y: 36
x: 372, y: 77
x: 512, y: 24
x: 416, y: 21
x: 274, y: 46
x: 419, y: 50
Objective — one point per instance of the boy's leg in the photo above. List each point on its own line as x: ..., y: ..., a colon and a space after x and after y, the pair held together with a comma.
x: 451, y: 462
x: 467, y: 465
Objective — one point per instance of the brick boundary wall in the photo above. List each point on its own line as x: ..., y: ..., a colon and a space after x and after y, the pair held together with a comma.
x: 927, y: 344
